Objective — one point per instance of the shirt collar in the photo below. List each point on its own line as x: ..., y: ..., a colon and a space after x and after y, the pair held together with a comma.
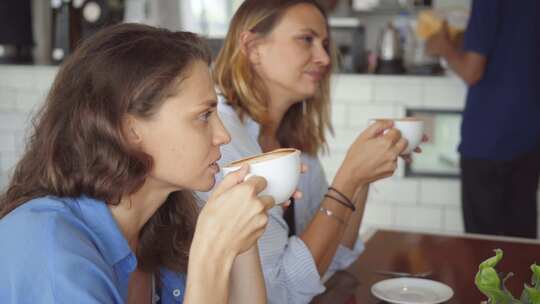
x: 111, y: 242
x: 252, y: 127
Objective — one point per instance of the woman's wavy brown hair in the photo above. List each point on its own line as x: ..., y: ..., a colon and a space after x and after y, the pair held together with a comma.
x: 245, y: 90
x: 78, y: 146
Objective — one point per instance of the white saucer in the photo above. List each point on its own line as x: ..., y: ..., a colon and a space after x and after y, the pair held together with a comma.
x: 412, y: 291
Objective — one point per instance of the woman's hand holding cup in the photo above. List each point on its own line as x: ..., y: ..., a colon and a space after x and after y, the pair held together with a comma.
x: 235, y: 215
x: 374, y: 153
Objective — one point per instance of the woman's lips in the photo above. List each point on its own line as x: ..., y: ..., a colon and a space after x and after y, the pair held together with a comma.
x: 214, y: 167
x: 315, y: 75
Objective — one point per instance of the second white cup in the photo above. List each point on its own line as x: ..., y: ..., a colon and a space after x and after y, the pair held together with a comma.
x: 411, y: 128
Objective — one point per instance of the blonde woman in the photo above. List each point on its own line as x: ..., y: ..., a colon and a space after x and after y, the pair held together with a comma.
x: 273, y: 76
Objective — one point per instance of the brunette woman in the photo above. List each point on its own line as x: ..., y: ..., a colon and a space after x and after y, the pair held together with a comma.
x: 100, y: 208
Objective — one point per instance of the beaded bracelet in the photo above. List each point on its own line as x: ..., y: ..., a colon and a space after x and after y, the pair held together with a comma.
x: 331, y: 214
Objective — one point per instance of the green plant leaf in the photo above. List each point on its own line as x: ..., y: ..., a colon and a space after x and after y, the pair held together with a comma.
x: 490, y: 284
x: 535, y: 276
x: 533, y: 295
x: 492, y: 261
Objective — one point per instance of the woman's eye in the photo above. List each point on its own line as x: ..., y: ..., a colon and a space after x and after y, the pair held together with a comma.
x: 205, y: 116
x: 307, y: 39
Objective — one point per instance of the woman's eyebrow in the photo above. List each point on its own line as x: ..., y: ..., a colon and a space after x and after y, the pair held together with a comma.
x: 312, y: 31
x: 209, y: 103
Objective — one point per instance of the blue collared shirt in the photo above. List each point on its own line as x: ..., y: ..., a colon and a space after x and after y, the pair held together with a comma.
x: 69, y: 250
x: 290, y: 272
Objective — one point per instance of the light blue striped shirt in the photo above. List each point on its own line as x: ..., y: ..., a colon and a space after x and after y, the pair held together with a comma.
x: 289, y: 269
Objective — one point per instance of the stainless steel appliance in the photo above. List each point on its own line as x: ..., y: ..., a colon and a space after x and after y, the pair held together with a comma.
x: 348, y: 35
x: 390, y: 52
x: 16, y: 38
x: 75, y: 20
x: 96, y: 14
x: 66, y: 31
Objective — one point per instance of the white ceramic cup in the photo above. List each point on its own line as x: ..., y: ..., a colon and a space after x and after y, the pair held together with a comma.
x: 411, y: 128
x: 280, y: 168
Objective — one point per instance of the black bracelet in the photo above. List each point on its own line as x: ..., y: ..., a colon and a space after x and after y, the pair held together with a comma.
x: 343, y: 196
x: 340, y: 201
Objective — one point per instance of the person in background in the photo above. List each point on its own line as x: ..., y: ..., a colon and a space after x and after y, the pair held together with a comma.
x: 500, y: 133
x: 273, y: 74
x: 101, y: 207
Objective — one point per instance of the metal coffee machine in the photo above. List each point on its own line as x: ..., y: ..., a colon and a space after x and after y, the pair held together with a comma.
x: 16, y: 36
x: 390, y: 52
x: 348, y: 35
x: 76, y: 20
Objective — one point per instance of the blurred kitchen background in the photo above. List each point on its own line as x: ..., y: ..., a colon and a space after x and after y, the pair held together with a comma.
x: 383, y: 73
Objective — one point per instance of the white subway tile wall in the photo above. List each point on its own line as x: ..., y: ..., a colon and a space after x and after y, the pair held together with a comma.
x: 7, y: 139
x: 398, y: 202
x: 29, y: 100
x: 440, y: 192
x: 338, y: 112
x: 453, y: 220
x: 420, y: 204
x: 351, y: 88
x: 7, y: 99
x: 445, y: 96
x: 419, y: 218
x: 22, y: 91
x: 396, y: 191
x: 378, y: 214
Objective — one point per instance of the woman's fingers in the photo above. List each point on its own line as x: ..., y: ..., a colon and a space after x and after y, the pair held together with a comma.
x: 267, y: 201
x: 394, y: 135
x: 231, y: 180
x: 258, y: 183
x: 400, y: 146
x: 377, y: 128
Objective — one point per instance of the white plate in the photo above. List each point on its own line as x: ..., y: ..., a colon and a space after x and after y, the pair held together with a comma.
x: 412, y: 291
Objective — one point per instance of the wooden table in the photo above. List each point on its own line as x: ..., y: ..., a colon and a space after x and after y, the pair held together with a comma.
x: 453, y: 260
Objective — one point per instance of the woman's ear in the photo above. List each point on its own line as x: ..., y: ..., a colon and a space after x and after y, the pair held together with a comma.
x: 249, y: 46
x: 132, y: 130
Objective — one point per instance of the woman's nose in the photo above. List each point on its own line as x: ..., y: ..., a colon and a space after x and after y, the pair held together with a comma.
x: 321, y: 56
x: 221, y: 135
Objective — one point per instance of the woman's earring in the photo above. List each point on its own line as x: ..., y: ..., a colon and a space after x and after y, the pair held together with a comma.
x: 304, y: 107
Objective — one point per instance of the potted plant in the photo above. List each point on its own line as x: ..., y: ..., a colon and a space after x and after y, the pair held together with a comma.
x: 492, y: 283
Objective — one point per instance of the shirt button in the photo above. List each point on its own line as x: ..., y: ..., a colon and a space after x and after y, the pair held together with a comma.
x: 176, y: 293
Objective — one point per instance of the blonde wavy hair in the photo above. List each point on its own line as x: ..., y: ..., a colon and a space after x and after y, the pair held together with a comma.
x: 238, y: 82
